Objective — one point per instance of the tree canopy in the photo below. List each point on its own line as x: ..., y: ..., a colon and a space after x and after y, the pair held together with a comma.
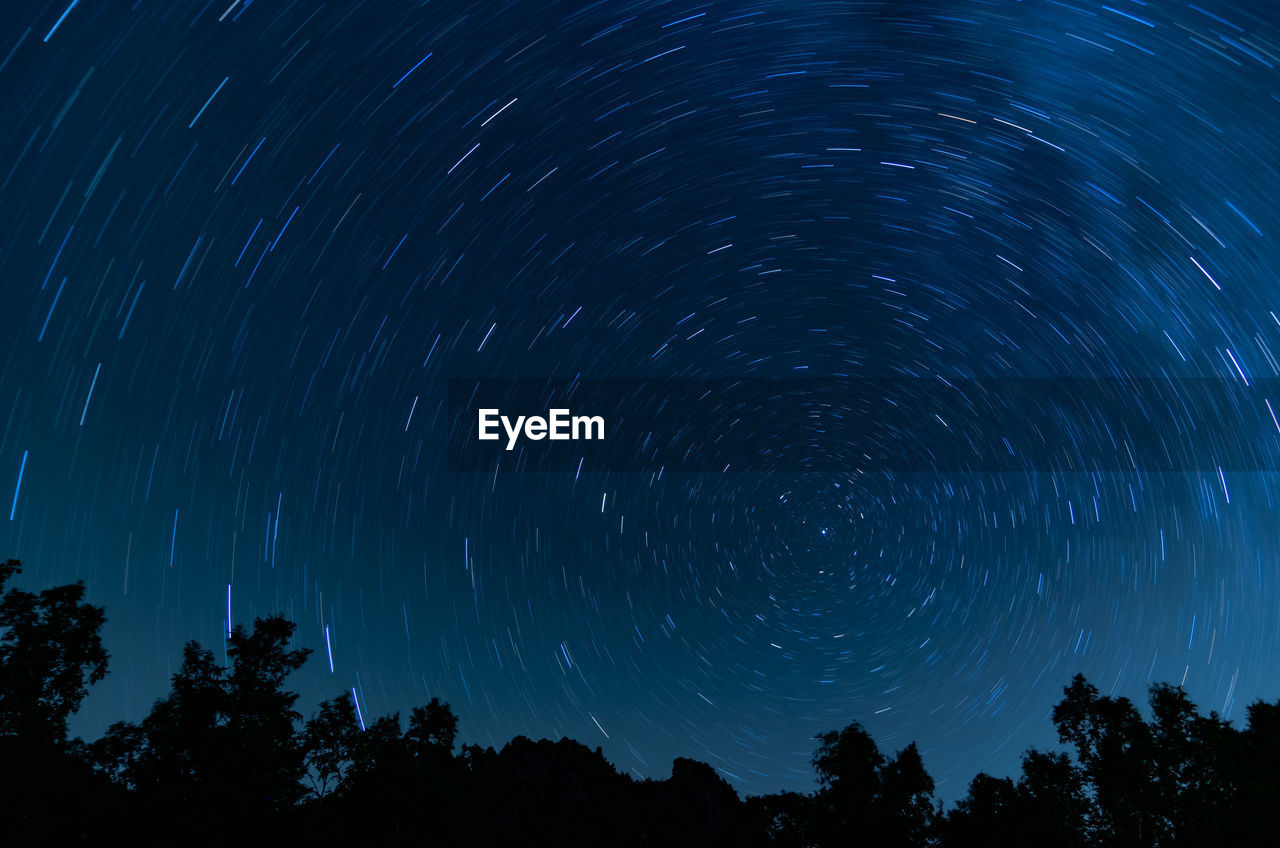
x: 227, y: 757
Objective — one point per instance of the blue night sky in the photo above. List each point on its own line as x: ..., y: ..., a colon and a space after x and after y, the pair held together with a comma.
x: 245, y: 245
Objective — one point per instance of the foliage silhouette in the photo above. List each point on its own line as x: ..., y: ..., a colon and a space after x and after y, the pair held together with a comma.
x: 50, y: 653
x: 223, y: 740
x: 225, y: 757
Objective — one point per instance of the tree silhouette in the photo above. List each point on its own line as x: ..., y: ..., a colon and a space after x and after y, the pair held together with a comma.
x: 1115, y: 750
x: 331, y: 741
x: 906, y: 799
x: 223, y: 739
x: 1252, y: 760
x: 50, y: 653
x: 1055, y: 806
x: 990, y: 815
x: 224, y: 758
x: 432, y: 729
x: 1180, y: 779
x: 1046, y: 807
x: 1191, y: 777
x: 782, y: 820
x: 379, y: 782
x: 261, y: 717
x: 865, y: 799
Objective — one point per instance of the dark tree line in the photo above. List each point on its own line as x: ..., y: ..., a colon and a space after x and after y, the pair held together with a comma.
x: 225, y: 758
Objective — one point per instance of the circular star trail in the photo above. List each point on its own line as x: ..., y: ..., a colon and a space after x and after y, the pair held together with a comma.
x: 245, y: 245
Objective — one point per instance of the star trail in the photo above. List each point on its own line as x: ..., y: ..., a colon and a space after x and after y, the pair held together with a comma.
x: 247, y: 251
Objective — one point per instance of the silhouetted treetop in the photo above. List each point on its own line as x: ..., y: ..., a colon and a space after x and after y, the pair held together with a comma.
x: 223, y: 737
x: 50, y: 653
x: 225, y: 758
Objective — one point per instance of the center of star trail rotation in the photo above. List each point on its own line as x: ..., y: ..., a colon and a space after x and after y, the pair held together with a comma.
x: 244, y: 248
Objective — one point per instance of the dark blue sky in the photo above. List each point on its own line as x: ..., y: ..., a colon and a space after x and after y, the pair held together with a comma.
x: 244, y: 246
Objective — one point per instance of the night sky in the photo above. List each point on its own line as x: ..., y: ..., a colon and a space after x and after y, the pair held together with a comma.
x: 245, y: 245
